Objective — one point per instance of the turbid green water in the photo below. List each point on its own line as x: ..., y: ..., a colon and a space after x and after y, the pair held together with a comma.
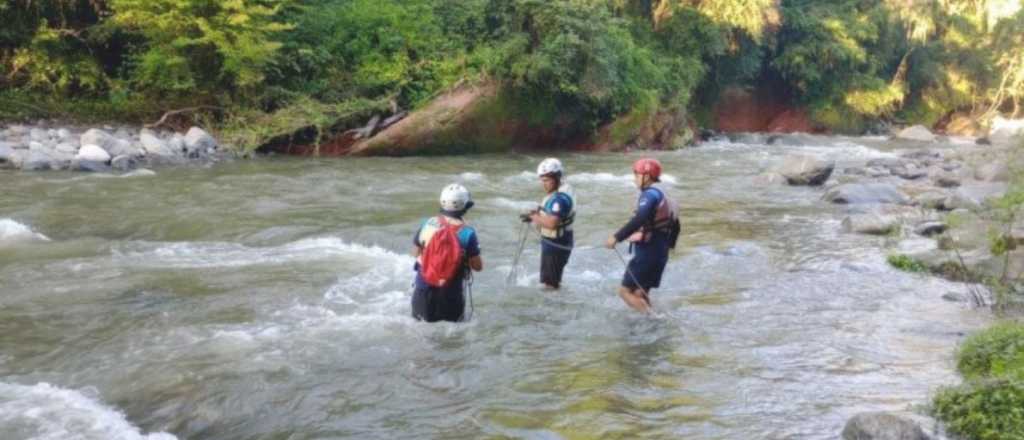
x: 269, y: 299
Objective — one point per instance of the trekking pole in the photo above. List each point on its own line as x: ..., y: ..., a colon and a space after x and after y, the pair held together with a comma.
x: 635, y: 280
x: 468, y: 289
x: 513, y: 272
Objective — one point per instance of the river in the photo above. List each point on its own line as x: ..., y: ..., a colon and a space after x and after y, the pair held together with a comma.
x: 269, y: 299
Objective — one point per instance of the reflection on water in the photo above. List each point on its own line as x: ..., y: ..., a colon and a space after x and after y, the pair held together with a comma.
x: 269, y: 299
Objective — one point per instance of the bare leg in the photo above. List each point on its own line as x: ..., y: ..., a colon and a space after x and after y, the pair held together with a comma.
x: 636, y: 299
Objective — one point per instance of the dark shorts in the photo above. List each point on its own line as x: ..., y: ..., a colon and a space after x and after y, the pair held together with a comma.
x: 552, y: 263
x: 647, y: 266
x: 434, y: 304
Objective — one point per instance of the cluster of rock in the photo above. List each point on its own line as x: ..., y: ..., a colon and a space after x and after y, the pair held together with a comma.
x: 919, y: 191
x: 38, y: 148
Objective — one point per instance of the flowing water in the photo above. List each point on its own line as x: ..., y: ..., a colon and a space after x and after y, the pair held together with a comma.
x: 269, y: 299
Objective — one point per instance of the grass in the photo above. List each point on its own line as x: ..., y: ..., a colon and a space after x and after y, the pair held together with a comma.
x: 906, y: 263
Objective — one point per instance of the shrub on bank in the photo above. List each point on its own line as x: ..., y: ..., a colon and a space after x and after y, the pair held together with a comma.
x: 990, y: 404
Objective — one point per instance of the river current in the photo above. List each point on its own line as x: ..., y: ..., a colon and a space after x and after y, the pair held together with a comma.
x: 269, y: 299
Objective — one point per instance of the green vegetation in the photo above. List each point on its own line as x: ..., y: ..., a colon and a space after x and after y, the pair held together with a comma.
x: 273, y: 67
x: 906, y: 263
x: 990, y: 404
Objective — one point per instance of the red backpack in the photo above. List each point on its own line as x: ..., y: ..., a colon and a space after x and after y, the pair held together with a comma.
x: 442, y: 256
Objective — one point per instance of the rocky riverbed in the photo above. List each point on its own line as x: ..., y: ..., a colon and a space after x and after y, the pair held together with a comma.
x: 938, y: 197
x: 51, y: 146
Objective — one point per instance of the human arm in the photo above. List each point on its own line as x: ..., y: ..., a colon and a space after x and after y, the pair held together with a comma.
x: 646, y: 206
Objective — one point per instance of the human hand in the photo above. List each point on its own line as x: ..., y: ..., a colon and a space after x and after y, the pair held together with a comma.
x: 611, y: 242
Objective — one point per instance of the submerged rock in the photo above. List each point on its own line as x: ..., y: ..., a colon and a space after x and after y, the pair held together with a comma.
x: 802, y: 169
x: 882, y: 426
x: 873, y: 223
x: 853, y: 193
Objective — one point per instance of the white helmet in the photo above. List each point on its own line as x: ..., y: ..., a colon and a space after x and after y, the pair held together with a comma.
x: 549, y: 166
x: 455, y: 197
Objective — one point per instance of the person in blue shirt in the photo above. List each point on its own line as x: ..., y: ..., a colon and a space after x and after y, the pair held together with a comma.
x: 447, y: 303
x: 651, y: 232
x: 554, y: 218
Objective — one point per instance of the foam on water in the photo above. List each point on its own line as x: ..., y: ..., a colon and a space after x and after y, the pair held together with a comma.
x: 505, y: 202
x: 625, y: 179
x: 223, y: 254
x: 46, y: 412
x: 471, y: 176
x: 12, y: 231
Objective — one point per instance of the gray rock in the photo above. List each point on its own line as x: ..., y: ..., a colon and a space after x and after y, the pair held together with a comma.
x: 882, y: 426
x: 123, y: 163
x: 153, y: 145
x: 90, y: 166
x: 931, y: 199
x: 67, y: 147
x: 98, y: 138
x: 872, y: 223
x: 876, y: 172
x: 64, y: 134
x: 121, y: 147
x: 199, y: 142
x: 93, y: 153
x: 959, y: 200
x: 916, y: 133
x: 39, y: 135
x: 909, y: 172
x: 866, y: 193
x: 1006, y: 130
x: 992, y: 172
x: 954, y: 297
x: 922, y: 154
x: 929, y: 229
x: 946, y: 180
x: 18, y: 129
x: 5, y: 154
x: 36, y: 161
x: 177, y: 144
x: 801, y: 169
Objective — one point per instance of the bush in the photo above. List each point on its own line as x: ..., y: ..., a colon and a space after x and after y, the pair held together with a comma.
x: 990, y: 405
x: 997, y: 352
x: 906, y: 263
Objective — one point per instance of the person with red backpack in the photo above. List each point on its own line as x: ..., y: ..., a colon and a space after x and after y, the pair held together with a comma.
x: 652, y: 232
x: 446, y: 249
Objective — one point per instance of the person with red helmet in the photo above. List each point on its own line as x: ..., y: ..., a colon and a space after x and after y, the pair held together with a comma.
x: 652, y: 232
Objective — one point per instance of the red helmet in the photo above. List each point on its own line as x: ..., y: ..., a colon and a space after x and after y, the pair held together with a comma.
x: 648, y: 166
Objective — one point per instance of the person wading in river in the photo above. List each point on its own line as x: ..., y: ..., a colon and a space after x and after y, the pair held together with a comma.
x: 652, y: 232
x: 445, y: 249
x: 554, y: 218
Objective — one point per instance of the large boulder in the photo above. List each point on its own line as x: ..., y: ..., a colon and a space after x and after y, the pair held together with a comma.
x: 992, y: 172
x: 153, y: 145
x: 99, y: 138
x: 199, y: 143
x: 93, y: 153
x: 801, y: 169
x: 872, y: 223
x: 854, y: 193
x: 882, y: 426
x: 916, y: 133
x: 1006, y: 130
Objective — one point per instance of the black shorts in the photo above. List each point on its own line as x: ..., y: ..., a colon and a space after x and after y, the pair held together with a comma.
x: 647, y: 267
x: 434, y: 304
x: 552, y: 263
